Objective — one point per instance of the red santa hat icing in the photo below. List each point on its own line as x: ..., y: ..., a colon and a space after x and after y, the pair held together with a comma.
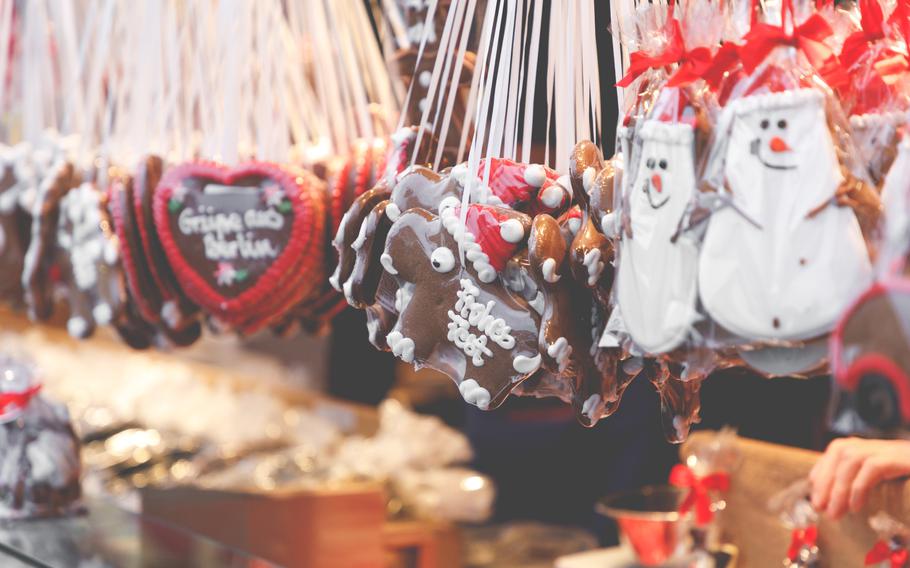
x: 512, y: 184
x: 489, y: 236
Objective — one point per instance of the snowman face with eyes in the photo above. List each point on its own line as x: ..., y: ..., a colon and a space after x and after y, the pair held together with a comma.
x: 773, y: 144
x: 654, y: 185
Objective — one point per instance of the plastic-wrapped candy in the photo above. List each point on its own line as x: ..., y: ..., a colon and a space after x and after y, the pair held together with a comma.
x: 875, y: 94
x: 795, y: 511
x: 40, y: 465
x: 892, y: 550
x: 782, y: 255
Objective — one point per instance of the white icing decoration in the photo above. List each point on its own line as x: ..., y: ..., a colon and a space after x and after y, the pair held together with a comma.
x: 469, y: 314
x: 216, y: 228
x: 474, y: 394
x: 588, y: 177
x: 392, y: 211
x: 361, y: 238
x: 347, y: 292
x: 590, y: 406
x: 548, y: 268
x: 77, y: 326
x: 102, y: 313
x: 535, y: 175
x: 46, y: 456
x: 339, y: 235
x: 333, y: 280
x: 526, y: 365
x: 538, y: 303
x: 574, y: 224
x: 170, y: 313
x: 594, y: 264
x: 552, y: 196
x: 386, y: 261
x: 422, y: 105
x: 560, y: 350
x: 424, y: 78
x: 403, y: 297
x: 608, y: 224
x: 402, y: 347
x: 472, y: 250
x: 512, y: 230
x: 442, y: 260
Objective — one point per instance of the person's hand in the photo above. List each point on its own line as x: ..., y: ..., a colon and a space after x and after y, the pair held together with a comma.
x: 850, y: 467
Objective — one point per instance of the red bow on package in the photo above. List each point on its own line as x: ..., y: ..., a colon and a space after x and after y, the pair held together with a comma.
x: 882, y: 552
x: 802, y: 538
x: 809, y: 37
x: 699, y: 497
x: 692, y: 64
x: 16, y: 401
x: 871, y: 30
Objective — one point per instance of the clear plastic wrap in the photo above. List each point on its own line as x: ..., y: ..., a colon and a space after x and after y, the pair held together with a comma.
x: 793, y: 508
x: 40, y: 466
x: 788, y: 202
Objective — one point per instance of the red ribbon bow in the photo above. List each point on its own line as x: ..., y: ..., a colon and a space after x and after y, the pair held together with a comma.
x: 698, y: 498
x: 809, y: 37
x: 871, y: 30
x: 692, y: 64
x: 726, y: 59
x: 10, y: 401
x: 882, y: 551
x: 802, y: 538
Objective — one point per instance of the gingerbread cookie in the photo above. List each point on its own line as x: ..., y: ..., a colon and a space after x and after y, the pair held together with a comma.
x: 460, y: 319
x: 89, y: 261
x: 571, y: 325
x: 177, y: 311
x: 245, y: 243
x: 14, y: 229
x: 679, y: 398
x: 45, y: 211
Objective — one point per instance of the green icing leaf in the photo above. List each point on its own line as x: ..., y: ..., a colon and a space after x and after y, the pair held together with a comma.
x: 285, y: 206
x: 173, y: 205
x: 241, y: 274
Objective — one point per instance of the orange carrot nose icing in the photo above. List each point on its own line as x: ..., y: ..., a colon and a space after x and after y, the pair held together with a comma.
x: 657, y: 183
x: 777, y: 144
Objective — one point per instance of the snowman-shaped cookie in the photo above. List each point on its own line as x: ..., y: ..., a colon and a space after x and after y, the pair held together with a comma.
x: 460, y: 318
x: 784, y: 261
x: 656, y: 276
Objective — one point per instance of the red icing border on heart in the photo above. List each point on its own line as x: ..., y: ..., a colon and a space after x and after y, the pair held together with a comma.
x: 266, y: 293
x: 130, y: 255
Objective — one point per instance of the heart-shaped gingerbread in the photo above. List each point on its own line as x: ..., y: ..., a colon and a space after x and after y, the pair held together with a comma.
x: 240, y: 240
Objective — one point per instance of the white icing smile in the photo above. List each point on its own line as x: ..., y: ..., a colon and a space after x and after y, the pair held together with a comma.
x: 475, y: 394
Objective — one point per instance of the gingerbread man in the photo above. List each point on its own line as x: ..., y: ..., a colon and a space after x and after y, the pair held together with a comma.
x: 89, y: 260
x: 459, y: 318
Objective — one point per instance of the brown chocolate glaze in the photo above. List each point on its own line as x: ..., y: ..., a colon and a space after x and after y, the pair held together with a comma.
x: 15, y: 229
x: 39, y: 258
x: 571, y: 324
x: 89, y: 261
x: 179, y: 311
x: 350, y: 229
x: 362, y: 286
x: 423, y: 257
x: 679, y: 398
